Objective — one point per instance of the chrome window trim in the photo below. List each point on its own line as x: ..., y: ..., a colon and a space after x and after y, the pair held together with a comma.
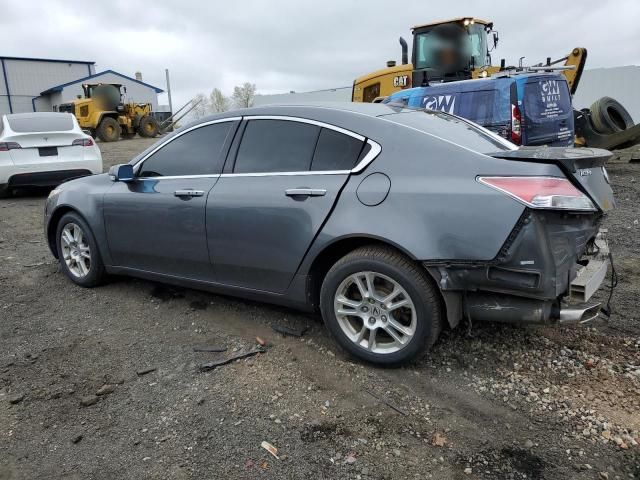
x: 361, y: 165
x: 369, y: 157
x: 281, y: 174
x: 306, y: 120
x: 178, y: 135
x: 175, y: 177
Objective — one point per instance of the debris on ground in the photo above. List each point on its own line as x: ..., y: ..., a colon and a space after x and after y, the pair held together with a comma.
x: 16, y: 399
x: 260, y: 341
x: 270, y: 448
x: 105, y: 390
x: 77, y: 438
x: 388, y: 403
x: 286, y: 330
x: 145, y: 371
x: 218, y: 363
x: 89, y: 400
x: 438, y: 440
x: 210, y: 348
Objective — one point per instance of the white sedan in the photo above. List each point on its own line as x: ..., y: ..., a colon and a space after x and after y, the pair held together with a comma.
x: 44, y: 149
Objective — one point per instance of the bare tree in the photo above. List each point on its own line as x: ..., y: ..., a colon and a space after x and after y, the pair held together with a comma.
x: 201, y: 106
x: 218, y: 101
x: 243, y: 95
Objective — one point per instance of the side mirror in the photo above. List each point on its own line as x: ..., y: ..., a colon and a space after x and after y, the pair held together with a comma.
x: 495, y: 39
x: 121, y: 173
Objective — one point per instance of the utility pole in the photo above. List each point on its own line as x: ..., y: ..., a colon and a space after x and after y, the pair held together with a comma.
x: 166, y: 70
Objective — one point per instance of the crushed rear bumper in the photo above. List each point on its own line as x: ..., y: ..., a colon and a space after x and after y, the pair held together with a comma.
x: 546, y: 272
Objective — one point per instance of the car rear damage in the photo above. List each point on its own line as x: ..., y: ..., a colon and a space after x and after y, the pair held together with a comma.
x: 556, y: 256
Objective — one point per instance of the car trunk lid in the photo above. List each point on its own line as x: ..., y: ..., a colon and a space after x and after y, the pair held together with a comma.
x: 585, y: 167
x: 46, y: 147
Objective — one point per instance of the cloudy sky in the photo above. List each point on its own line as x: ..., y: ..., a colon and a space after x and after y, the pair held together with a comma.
x: 283, y: 45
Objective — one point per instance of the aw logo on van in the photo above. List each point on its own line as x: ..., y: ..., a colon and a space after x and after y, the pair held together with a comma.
x: 550, y: 91
x: 442, y: 103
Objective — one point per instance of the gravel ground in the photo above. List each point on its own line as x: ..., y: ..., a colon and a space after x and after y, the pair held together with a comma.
x: 493, y: 402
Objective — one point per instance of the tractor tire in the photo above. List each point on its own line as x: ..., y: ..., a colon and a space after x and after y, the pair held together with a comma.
x: 148, y: 127
x: 109, y: 130
x: 609, y: 116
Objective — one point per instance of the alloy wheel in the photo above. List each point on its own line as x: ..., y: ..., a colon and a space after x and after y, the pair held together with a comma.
x: 75, y: 250
x: 375, y: 312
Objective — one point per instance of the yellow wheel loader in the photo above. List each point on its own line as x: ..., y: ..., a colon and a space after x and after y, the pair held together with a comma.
x: 460, y: 49
x: 107, y: 117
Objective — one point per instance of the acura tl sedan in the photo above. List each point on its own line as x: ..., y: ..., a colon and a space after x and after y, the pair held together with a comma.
x: 43, y: 149
x: 393, y: 223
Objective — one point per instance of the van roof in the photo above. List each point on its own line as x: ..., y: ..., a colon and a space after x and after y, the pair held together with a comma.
x: 482, y: 83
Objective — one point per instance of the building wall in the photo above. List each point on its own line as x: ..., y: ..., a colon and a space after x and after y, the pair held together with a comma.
x: 4, y: 100
x: 135, y: 91
x: 340, y: 94
x: 620, y: 83
x: 27, y: 78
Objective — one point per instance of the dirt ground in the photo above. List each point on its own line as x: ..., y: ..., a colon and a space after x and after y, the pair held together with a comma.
x: 493, y: 402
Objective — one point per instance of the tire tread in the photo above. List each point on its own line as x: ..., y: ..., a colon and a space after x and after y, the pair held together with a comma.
x: 423, y: 283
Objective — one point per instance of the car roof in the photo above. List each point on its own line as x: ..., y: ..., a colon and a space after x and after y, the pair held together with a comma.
x: 308, y: 110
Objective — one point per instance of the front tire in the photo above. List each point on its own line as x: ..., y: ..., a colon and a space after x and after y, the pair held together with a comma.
x: 148, y: 127
x: 380, y: 306
x: 109, y: 130
x: 78, y: 251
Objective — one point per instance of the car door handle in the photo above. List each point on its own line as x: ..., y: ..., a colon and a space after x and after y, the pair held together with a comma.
x: 305, y: 192
x: 188, y: 193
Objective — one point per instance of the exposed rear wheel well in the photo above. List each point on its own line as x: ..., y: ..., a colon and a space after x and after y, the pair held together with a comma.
x: 334, y: 252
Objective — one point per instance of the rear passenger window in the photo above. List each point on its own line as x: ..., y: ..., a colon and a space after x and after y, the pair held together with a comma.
x: 198, y: 152
x: 276, y: 146
x: 336, y: 151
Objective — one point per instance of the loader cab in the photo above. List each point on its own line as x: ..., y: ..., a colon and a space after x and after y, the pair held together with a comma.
x: 527, y: 109
x: 450, y: 50
x: 89, y: 88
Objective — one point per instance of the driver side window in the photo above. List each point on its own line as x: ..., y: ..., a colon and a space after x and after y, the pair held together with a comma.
x: 198, y: 152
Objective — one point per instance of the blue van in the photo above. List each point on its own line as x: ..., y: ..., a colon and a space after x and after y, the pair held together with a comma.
x: 525, y: 108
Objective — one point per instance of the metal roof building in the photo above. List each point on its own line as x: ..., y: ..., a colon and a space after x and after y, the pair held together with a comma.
x: 137, y: 91
x: 22, y: 79
x: 41, y: 84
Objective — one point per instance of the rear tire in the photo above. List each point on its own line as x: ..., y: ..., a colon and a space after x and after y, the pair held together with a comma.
x: 148, y: 127
x: 5, y: 191
x: 109, y: 130
x: 78, y: 251
x: 360, y: 311
x: 609, y: 116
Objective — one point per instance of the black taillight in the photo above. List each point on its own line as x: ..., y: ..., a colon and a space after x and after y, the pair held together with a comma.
x: 6, y: 146
x: 84, y: 142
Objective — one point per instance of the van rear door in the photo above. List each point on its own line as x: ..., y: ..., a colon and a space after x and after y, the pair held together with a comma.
x: 545, y: 104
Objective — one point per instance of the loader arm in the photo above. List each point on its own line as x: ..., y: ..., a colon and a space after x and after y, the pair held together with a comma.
x: 576, y: 60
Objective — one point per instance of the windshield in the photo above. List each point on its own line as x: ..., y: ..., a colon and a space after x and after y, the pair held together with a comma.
x: 451, y: 47
x: 453, y: 129
x: 40, y: 122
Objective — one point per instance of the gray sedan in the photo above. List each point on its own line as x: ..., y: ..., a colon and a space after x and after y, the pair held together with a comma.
x: 393, y: 223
